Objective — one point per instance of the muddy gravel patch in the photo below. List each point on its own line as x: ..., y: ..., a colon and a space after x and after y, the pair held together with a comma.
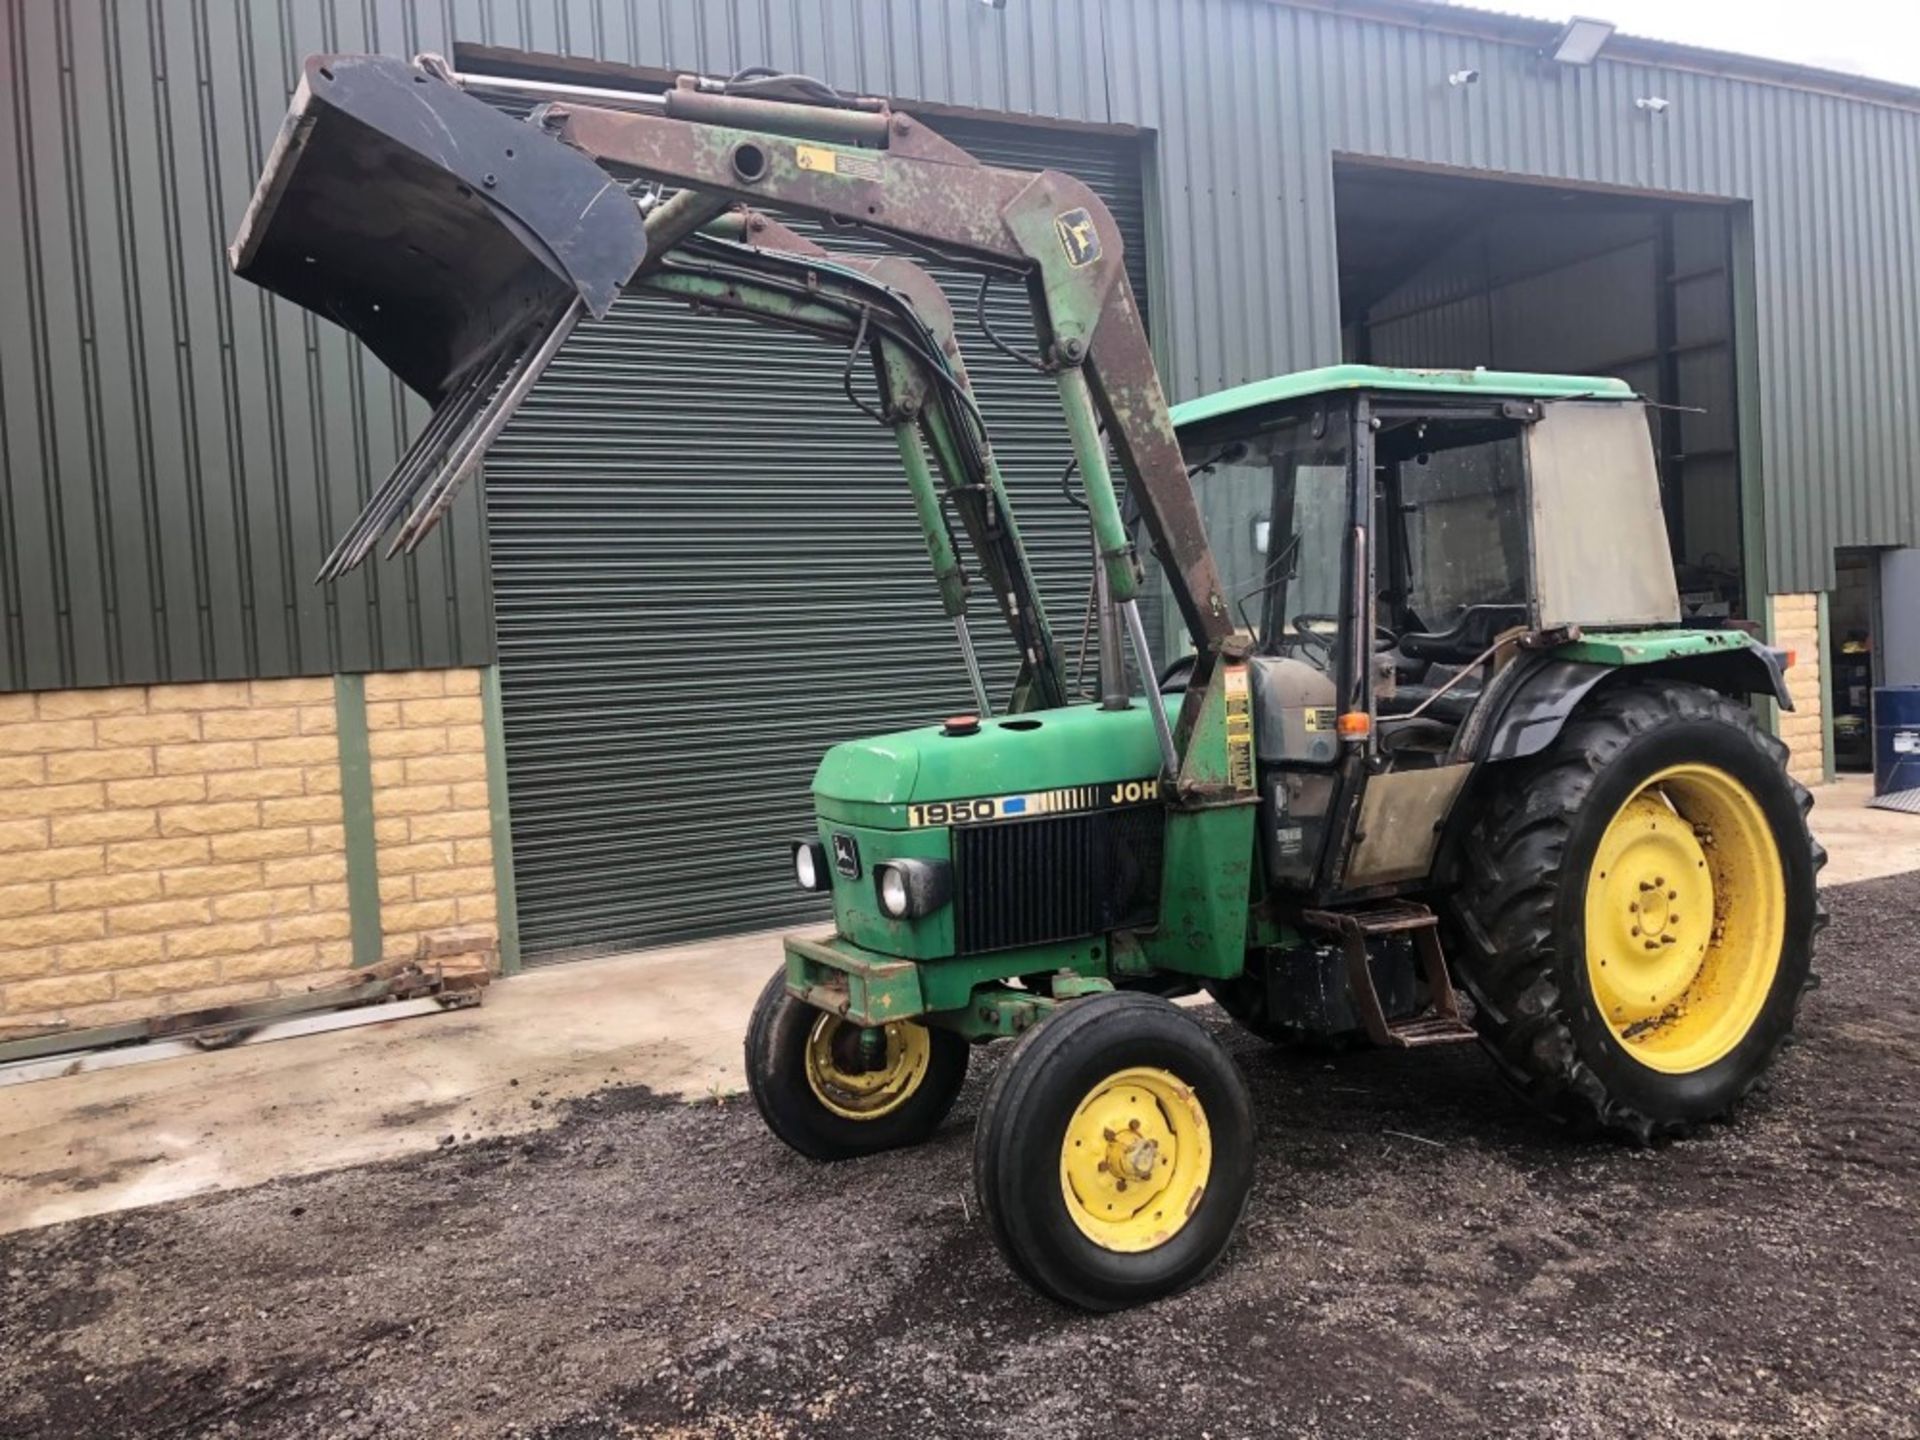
x: 1421, y: 1257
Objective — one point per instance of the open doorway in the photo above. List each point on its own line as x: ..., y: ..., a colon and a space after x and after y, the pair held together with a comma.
x: 1853, y: 630
x: 1459, y: 271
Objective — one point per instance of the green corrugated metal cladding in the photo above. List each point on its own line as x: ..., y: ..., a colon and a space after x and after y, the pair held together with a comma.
x: 178, y: 449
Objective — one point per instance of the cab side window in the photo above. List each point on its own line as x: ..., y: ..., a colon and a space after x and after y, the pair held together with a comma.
x: 1461, y: 537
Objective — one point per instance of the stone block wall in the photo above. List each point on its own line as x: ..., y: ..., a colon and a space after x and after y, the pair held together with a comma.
x: 170, y: 847
x: 1793, y: 621
x: 431, y: 816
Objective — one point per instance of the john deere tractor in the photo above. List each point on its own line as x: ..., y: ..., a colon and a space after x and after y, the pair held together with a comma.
x: 1446, y: 768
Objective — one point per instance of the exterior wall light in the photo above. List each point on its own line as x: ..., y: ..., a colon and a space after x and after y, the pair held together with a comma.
x: 1464, y: 77
x: 1582, y: 41
x: 1653, y: 104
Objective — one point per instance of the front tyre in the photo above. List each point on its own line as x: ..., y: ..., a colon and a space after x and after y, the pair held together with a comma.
x: 1640, y: 908
x: 834, y: 1091
x: 1114, y: 1152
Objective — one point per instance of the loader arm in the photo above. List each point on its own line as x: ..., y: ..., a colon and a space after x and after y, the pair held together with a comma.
x: 465, y: 246
x: 748, y: 264
x: 883, y: 171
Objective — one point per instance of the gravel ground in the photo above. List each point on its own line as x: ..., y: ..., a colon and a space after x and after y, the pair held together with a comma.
x: 1421, y: 1257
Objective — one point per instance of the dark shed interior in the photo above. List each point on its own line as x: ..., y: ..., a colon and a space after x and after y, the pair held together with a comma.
x: 1459, y: 271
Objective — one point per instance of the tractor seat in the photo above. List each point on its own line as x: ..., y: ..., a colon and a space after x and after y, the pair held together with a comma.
x: 1452, y: 707
x: 1469, y: 636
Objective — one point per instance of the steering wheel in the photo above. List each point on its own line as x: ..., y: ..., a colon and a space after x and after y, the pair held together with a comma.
x: 1316, y: 627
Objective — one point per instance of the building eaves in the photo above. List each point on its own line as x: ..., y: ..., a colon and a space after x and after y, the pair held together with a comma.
x: 1524, y: 30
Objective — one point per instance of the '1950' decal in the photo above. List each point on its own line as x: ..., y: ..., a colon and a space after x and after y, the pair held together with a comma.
x: 1073, y: 799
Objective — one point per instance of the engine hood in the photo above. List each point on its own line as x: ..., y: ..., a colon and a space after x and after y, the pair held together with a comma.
x: 872, y: 781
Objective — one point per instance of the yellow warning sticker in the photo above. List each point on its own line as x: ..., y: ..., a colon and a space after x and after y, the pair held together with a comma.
x: 1321, y: 718
x: 1239, y: 728
x: 815, y: 157
x: 822, y: 161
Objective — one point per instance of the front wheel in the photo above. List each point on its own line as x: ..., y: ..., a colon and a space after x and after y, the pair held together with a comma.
x: 1114, y: 1152
x: 1640, y: 909
x: 833, y: 1089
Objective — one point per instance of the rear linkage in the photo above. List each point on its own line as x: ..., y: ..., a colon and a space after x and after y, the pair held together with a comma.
x: 463, y: 246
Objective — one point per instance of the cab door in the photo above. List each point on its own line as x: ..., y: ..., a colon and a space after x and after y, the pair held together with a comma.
x: 1441, y: 574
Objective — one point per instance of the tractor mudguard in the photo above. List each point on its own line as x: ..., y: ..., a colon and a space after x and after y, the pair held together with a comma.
x: 1752, y: 670
x: 1538, y: 708
x: 1540, y: 705
x: 426, y: 222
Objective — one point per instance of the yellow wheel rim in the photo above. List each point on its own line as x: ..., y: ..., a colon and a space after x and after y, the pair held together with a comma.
x: 866, y: 1087
x: 1686, y: 914
x: 1135, y: 1160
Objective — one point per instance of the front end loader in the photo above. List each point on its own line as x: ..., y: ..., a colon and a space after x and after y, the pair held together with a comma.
x: 1448, y: 768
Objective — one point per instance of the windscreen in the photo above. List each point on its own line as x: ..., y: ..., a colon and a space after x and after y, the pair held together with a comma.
x: 1274, y: 490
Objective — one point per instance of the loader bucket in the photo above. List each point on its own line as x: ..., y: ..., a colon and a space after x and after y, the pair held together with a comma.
x: 427, y: 222
x: 459, y: 244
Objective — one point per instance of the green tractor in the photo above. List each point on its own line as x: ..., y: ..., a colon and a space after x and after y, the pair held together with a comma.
x: 1446, y: 767
x: 1465, y: 744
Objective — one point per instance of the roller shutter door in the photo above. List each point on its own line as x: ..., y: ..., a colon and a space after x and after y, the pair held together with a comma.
x: 706, y: 571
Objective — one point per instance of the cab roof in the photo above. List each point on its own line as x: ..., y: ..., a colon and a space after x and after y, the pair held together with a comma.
x: 1303, y: 383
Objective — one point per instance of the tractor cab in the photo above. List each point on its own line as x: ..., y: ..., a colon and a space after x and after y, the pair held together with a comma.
x: 1413, y: 533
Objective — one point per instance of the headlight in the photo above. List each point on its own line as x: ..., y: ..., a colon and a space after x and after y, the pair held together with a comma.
x: 912, y: 887
x: 893, y: 891
x: 810, y: 864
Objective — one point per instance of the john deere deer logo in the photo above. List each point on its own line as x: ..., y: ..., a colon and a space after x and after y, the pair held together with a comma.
x: 1077, y: 237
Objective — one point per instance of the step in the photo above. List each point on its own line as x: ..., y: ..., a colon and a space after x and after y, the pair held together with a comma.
x: 1386, y: 917
x: 1430, y: 1029
x: 1441, y: 1024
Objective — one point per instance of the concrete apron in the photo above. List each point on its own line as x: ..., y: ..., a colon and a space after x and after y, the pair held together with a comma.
x: 1862, y: 844
x: 671, y: 1020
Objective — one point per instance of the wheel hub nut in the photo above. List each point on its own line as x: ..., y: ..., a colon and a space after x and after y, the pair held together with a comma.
x: 1130, y: 1155
x: 1141, y: 1157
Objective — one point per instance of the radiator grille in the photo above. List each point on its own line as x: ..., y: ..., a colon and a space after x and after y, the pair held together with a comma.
x: 1027, y: 882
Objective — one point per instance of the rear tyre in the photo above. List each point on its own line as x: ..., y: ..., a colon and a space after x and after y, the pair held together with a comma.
x: 1639, y: 912
x: 1114, y: 1152
x: 831, y: 1097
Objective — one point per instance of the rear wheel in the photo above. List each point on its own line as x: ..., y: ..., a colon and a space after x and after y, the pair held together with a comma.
x: 1640, y: 912
x: 833, y: 1089
x: 1114, y: 1152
